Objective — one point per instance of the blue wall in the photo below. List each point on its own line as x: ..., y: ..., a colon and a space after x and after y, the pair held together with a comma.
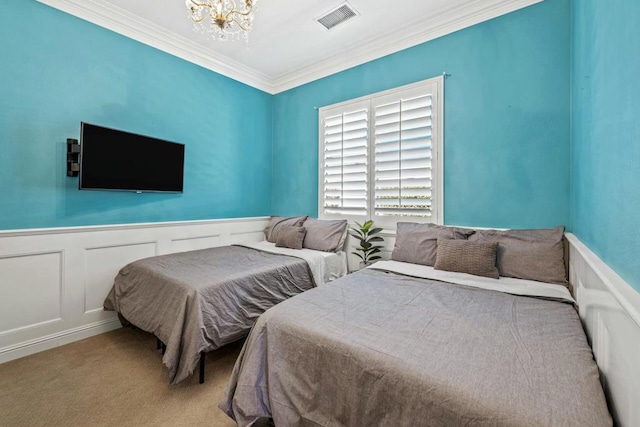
x: 507, y: 130
x: 606, y: 132
x: 57, y: 70
x: 507, y: 127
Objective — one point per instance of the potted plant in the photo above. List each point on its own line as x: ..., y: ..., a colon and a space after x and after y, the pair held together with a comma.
x: 367, y: 251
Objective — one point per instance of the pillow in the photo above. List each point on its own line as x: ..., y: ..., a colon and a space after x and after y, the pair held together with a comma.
x: 417, y: 243
x: 325, y: 235
x: 463, y: 256
x: 272, y: 230
x: 290, y: 236
x: 528, y: 254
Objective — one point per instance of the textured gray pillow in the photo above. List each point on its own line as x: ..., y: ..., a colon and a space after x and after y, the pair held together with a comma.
x: 290, y: 236
x: 528, y: 254
x: 417, y: 243
x: 463, y: 256
x: 272, y: 230
x: 325, y: 235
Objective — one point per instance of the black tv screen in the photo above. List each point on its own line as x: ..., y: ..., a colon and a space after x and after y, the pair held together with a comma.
x: 115, y: 160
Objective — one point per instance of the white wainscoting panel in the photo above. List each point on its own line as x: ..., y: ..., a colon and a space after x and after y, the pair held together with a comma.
x: 194, y: 243
x: 610, y: 313
x: 53, y: 281
x: 33, y: 294
x: 101, y: 263
x: 248, y: 236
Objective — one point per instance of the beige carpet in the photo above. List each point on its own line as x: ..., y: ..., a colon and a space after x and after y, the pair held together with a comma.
x: 113, y: 379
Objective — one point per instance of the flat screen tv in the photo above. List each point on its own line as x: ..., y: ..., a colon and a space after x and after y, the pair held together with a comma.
x: 115, y: 160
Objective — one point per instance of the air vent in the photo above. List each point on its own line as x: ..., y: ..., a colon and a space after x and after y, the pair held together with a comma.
x: 337, y: 16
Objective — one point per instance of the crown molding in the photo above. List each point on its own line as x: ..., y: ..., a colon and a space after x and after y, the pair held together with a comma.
x: 417, y: 33
x: 123, y: 22
x: 116, y: 19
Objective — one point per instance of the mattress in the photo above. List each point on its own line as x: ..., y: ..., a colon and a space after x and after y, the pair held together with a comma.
x: 386, y: 347
x: 198, y: 301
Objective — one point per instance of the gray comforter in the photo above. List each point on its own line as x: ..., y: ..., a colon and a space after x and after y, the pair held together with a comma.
x: 201, y: 300
x: 382, y: 349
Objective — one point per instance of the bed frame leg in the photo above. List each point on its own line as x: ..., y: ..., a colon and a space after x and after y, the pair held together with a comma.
x: 158, y: 343
x: 202, y: 359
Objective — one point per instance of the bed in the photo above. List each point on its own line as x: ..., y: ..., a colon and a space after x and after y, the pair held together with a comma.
x: 402, y: 344
x: 198, y: 301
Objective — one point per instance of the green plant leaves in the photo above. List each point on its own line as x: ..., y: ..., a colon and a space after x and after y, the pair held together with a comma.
x: 365, y: 234
x: 357, y: 234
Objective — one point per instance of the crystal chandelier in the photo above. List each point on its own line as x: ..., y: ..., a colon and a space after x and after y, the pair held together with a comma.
x: 226, y: 20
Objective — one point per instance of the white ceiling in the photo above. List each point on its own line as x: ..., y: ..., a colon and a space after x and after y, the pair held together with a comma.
x: 287, y: 46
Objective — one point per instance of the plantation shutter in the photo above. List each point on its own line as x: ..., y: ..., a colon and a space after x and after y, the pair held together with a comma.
x: 380, y: 156
x: 344, y: 166
x: 403, y: 154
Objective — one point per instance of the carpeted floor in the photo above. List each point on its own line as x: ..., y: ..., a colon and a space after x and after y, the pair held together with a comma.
x: 113, y: 379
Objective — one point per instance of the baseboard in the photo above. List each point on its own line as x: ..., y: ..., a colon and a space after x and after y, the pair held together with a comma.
x: 48, y: 342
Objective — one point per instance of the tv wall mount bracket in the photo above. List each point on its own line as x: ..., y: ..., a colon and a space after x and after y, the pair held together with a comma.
x: 73, y: 155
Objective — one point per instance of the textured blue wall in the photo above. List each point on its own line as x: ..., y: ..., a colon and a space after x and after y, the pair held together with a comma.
x: 606, y: 132
x: 57, y: 70
x: 507, y: 127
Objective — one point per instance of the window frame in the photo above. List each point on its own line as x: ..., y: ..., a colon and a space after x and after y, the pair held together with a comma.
x: 435, y: 86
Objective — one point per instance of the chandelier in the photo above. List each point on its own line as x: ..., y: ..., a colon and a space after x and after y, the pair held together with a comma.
x: 226, y: 20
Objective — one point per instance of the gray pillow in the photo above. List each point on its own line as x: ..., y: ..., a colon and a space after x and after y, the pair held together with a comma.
x: 528, y: 254
x: 325, y: 235
x: 272, y: 230
x: 417, y: 243
x: 290, y: 236
x: 463, y: 256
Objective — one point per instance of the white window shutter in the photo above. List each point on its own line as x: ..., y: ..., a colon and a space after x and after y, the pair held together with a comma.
x: 344, y: 165
x: 380, y: 156
x: 403, y: 155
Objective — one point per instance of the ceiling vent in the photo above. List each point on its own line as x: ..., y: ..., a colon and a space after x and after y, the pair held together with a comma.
x: 337, y: 16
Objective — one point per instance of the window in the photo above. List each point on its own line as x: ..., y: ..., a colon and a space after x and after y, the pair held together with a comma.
x: 381, y: 156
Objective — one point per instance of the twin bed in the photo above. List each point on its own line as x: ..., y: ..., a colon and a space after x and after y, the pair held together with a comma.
x: 195, y: 302
x: 432, y: 337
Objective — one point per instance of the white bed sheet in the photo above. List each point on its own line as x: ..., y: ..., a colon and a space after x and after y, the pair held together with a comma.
x: 325, y: 266
x: 507, y: 285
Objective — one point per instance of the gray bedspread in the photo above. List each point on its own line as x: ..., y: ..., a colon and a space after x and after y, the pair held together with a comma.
x: 382, y: 349
x: 201, y: 300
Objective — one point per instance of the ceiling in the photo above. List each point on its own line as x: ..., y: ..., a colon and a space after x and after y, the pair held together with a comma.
x: 287, y: 46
